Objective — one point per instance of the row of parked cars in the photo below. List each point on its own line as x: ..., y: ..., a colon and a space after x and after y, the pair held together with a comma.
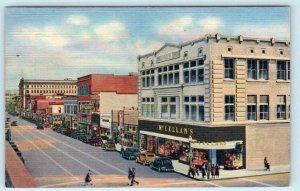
x: 16, y: 149
x: 146, y: 158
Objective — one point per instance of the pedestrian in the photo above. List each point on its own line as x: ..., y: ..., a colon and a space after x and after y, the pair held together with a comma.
x: 217, y: 170
x: 88, y: 179
x: 133, y: 178
x: 213, y: 171
x: 203, y: 171
x: 8, y: 135
x: 208, y: 170
x: 129, y: 176
x: 266, y: 164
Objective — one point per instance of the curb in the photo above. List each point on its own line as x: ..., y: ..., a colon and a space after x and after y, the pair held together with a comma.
x: 226, y: 178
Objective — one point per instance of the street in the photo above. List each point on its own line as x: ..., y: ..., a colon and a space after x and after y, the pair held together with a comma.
x: 55, y: 160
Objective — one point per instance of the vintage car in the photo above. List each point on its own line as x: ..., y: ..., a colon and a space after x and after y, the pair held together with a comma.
x: 130, y: 153
x: 145, y: 158
x: 39, y: 126
x: 162, y: 164
x: 109, y: 146
x: 14, y: 123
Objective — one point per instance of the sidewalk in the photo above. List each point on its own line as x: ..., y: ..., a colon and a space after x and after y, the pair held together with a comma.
x: 228, y: 174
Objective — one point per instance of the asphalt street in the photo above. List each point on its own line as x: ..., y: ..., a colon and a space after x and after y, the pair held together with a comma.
x: 55, y: 160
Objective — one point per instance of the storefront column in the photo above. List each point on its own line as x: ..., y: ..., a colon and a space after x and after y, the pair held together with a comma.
x: 213, y: 156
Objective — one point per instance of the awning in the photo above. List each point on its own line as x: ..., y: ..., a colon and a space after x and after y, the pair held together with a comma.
x: 165, y: 136
x: 216, y: 145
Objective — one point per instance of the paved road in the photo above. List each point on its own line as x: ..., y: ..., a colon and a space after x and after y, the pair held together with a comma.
x: 55, y: 160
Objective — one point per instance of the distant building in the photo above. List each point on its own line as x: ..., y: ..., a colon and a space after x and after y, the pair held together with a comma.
x: 226, y: 96
x: 70, y: 111
x: 11, y: 97
x: 52, y: 88
x: 98, y: 94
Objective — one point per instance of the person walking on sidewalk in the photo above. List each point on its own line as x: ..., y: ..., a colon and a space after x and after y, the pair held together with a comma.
x: 208, y: 170
x: 217, y: 171
x: 133, y: 178
x: 213, y: 171
x: 266, y: 164
x: 203, y: 171
x: 129, y: 176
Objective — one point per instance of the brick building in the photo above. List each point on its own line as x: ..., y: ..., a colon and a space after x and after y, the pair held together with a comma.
x: 226, y: 97
x: 98, y: 94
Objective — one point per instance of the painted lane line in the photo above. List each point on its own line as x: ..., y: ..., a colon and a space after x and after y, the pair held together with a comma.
x: 68, y: 155
x: 85, y: 153
x: 257, y: 182
x: 55, y: 162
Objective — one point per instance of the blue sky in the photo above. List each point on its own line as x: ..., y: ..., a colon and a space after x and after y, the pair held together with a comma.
x: 58, y: 43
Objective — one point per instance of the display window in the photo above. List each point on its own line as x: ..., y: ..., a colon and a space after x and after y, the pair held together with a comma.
x: 199, y: 156
x: 168, y: 148
x: 151, y: 144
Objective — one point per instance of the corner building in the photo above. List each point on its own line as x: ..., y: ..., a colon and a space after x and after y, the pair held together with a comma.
x: 231, y: 94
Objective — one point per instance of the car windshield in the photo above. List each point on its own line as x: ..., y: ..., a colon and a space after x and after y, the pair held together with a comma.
x: 167, y: 162
x: 150, y: 155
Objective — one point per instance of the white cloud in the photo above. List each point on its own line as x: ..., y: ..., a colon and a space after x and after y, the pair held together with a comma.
x: 279, y: 31
x: 144, y: 46
x: 187, y: 28
x: 176, y: 26
x: 210, y: 25
x: 113, y: 31
x: 48, y: 35
x: 78, y: 20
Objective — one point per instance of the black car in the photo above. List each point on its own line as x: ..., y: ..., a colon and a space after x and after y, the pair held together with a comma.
x: 14, y: 123
x: 162, y: 164
x: 39, y: 126
x: 130, y: 153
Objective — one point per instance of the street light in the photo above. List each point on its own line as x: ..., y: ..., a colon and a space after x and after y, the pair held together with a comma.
x: 122, y: 140
x: 190, y: 153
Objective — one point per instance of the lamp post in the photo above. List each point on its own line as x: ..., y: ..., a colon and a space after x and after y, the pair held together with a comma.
x: 122, y: 140
x: 190, y: 153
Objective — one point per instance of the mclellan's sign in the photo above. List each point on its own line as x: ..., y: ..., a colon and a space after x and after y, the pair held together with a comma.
x: 174, y: 129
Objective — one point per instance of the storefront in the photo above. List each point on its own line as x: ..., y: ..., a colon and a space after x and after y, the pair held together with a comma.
x: 218, y: 145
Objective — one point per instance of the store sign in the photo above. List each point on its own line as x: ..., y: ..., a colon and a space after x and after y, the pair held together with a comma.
x: 105, y: 120
x: 87, y: 107
x: 174, y: 129
x: 168, y: 56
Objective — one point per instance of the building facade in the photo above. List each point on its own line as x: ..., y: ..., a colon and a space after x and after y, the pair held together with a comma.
x: 98, y: 94
x: 221, y: 96
x: 70, y: 111
x: 29, y: 88
x: 11, y: 97
x: 125, y: 127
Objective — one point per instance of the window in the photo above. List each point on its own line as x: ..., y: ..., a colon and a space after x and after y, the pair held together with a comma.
x: 193, y: 71
x: 281, y: 107
x: 262, y: 72
x: 185, y: 55
x: 252, y: 51
x: 194, y: 108
x: 168, y: 75
x: 252, y: 69
x: 229, y: 108
x: 200, y: 51
x: 263, y: 51
x: 169, y: 107
x: 251, y: 107
x: 228, y: 68
x: 283, y: 70
x: 148, y: 107
x: 229, y: 49
x: 264, y: 107
x: 147, y: 78
x: 152, y: 63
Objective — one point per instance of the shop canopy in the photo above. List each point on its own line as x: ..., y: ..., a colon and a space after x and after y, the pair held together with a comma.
x: 216, y: 145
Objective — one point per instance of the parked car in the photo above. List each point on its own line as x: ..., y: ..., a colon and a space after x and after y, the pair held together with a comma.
x: 14, y: 123
x: 145, y: 158
x: 109, y: 146
x: 130, y: 153
x: 39, y: 126
x: 162, y: 164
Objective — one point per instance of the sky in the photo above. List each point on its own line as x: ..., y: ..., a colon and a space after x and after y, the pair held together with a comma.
x: 69, y: 42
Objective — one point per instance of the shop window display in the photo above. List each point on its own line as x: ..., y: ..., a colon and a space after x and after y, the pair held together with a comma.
x: 168, y: 148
